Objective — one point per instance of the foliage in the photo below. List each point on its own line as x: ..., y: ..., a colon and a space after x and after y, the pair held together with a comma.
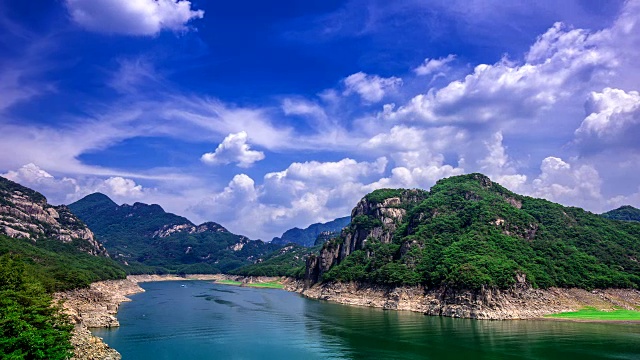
x: 470, y: 233
x: 288, y: 261
x: 380, y: 195
x: 30, y: 327
x: 59, y: 266
x: 624, y: 213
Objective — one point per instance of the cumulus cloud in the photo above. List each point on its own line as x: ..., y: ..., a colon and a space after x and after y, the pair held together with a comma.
x: 613, y: 119
x: 431, y: 66
x: 133, y: 17
x: 560, y: 63
x: 568, y: 184
x: 233, y: 149
x: 371, y: 88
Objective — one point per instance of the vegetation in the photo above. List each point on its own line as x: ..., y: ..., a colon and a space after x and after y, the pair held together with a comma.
x: 58, y: 266
x: 130, y: 234
x: 470, y: 233
x: 289, y: 261
x: 307, y: 237
x: 228, y: 282
x: 591, y: 314
x: 30, y: 327
x: 623, y: 213
x: 269, y: 284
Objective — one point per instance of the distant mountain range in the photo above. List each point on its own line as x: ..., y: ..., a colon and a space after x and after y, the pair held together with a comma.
x: 309, y: 236
x: 145, y: 238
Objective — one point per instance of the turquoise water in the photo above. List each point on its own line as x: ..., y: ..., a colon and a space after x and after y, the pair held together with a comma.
x: 210, y: 321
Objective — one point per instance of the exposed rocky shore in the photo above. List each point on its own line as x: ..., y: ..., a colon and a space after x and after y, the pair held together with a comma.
x: 518, y: 302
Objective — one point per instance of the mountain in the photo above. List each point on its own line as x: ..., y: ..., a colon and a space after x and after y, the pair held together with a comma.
x: 624, y: 213
x: 51, y: 244
x: 145, y: 238
x: 468, y: 232
x: 307, y: 237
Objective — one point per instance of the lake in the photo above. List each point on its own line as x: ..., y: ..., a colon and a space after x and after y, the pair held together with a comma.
x: 203, y: 320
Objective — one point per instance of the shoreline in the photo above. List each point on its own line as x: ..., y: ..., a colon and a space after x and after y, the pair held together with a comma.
x: 97, y: 306
x: 516, y: 303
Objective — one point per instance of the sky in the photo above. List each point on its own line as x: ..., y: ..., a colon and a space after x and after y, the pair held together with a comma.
x: 263, y: 116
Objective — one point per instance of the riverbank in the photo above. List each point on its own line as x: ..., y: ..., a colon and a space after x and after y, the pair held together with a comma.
x: 97, y: 306
x: 519, y: 302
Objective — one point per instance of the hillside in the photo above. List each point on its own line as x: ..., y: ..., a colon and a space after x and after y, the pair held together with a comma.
x: 56, y: 247
x: 146, y: 239
x: 468, y: 232
x: 308, y: 236
x: 623, y: 213
x: 43, y: 248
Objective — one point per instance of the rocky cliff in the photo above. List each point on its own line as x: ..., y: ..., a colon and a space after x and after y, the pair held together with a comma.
x: 373, y: 218
x: 25, y: 213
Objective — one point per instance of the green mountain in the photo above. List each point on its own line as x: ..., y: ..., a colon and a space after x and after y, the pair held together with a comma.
x: 624, y: 213
x: 469, y: 232
x: 308, y: 236
x: 145, y: 238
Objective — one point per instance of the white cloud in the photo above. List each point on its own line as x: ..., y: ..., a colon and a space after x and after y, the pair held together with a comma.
x: 430, y: 66
x: 119, y: 186
x: 133, y: 17
x: 568, y: 184
x: 371, y: 88
x: 560, y: 64
x: 234, y: 149
x: 67, y: 189
x: 613, y: 118
x: 302, y: 107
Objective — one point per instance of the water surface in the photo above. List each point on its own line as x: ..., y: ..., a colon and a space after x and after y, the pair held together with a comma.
x: 209, y: 321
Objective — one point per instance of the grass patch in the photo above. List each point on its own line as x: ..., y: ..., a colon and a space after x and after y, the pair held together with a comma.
x: 271, y: 285
x: 228, y: 282
x: 591, y: 313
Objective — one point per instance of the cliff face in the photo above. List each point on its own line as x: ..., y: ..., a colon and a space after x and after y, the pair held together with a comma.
x: 371, y: 219
x: 25, y: 213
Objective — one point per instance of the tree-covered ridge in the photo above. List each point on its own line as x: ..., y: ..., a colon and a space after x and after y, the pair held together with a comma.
x: 307, y: 237
x: 146, y: 239
x: 470, y: 232
x: 30, y: 327
x: 623, y: 213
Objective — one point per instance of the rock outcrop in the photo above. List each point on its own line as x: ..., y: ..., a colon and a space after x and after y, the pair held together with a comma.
x: 518, y: 302
x: 371, y: 219
x: 25, y: 213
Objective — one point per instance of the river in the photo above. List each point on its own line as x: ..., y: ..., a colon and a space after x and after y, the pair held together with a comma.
x: 201, y: 320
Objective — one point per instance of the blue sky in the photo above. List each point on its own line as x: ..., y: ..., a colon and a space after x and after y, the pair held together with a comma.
x: 264, y: 116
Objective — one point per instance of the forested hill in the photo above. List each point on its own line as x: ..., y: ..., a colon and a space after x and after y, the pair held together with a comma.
x: 469, y: 232
x: 146, y: 239
x: 308, y: 236
x: 623, y: 213
x: 43, y: 248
